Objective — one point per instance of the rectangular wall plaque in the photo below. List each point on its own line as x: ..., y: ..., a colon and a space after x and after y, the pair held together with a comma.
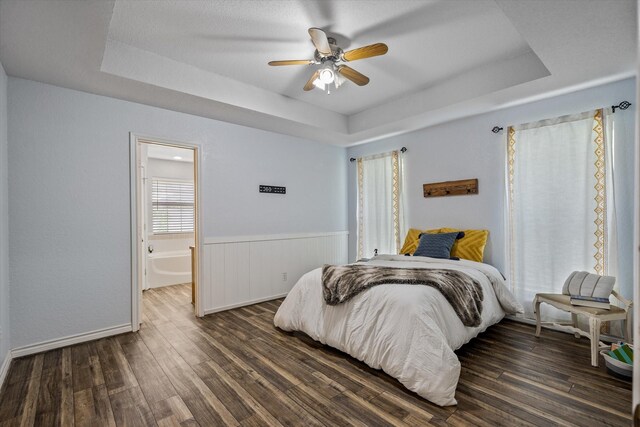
x: 273, y: 189
x: 451, y: 188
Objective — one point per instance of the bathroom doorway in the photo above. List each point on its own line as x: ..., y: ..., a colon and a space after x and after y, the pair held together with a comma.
x: 164, y: 228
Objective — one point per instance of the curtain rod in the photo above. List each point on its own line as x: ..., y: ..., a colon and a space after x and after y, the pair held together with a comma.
x: 622, y: 106
x: 353, y: 159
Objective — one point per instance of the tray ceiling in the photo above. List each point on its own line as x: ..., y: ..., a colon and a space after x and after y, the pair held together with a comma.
x: 446, y: 59
x: 429, y: 42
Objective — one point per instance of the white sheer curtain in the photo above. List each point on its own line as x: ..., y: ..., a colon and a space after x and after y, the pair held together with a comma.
x: 557, y: 200
x: 380, y: 204
x: 611, y: 252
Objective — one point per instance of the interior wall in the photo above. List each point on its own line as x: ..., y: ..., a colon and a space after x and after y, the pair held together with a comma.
x: 69, y: 199
x: 5, y: 344
x: 467, y: 148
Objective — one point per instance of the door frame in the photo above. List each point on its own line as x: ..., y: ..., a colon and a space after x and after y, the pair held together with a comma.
x: 135, y: 141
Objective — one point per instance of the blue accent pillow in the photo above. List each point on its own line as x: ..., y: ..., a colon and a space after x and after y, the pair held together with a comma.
x: 437, y: 245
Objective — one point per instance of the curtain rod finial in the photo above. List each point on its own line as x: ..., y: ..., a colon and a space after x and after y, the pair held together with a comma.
x: 622, y: 106
x: 496, y: 129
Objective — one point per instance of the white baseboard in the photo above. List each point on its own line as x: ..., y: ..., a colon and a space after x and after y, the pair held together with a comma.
x: 4, y: 369
x: 242, y: 304
x: 69, y: 340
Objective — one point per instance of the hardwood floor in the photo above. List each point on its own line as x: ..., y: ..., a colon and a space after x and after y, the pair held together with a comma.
x: 235, y: 368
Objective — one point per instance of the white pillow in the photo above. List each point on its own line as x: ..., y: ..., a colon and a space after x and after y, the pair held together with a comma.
x: 588, y: 285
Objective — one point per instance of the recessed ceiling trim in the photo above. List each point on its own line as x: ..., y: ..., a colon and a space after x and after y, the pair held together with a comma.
x: 475, y: 83
x: 137, y: 64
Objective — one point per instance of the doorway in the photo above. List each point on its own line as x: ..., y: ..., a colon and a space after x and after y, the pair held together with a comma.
x: 164, y: 223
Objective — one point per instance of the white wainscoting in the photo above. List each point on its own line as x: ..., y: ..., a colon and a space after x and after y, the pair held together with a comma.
x: 245, y: 270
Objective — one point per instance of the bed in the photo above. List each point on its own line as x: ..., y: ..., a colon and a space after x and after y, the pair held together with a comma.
x: 409, y: 331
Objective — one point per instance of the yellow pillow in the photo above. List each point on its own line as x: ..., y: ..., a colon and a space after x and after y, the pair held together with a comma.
x: 471, y: 246
x: 413, y: 238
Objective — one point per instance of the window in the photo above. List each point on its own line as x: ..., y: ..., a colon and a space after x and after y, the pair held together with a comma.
x: 172, y: 206
x: 380, y: 210
x: 560, y: 203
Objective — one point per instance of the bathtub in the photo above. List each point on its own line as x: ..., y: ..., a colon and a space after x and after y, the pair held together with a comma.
x: 168, y: 268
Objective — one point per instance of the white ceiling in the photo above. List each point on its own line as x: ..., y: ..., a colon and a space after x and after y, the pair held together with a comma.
x: 165, y: 152
x: 447, y: 59
x: 237, y: 39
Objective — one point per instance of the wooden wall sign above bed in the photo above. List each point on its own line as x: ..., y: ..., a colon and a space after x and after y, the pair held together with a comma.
x: 451, y: 188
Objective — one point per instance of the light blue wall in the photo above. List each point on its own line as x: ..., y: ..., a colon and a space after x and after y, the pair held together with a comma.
x: 69, y: 199
x: 5, y: 344
x: 467, y: 148
x: 69, y: 193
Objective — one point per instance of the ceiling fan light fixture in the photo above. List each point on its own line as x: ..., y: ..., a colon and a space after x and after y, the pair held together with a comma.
x: 327, y: 75
x: 330, y: 58
x: 318, y: 83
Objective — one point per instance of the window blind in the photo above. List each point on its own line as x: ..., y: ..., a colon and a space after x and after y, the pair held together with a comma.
x: 172, y: 206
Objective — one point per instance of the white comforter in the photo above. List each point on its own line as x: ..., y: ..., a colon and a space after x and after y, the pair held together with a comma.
x: 409, y: 331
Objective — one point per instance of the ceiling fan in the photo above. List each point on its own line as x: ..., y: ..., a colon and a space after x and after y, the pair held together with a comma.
x: 330, y: 57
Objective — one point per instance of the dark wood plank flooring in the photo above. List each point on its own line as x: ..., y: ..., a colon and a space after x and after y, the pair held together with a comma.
x: 235, y: 368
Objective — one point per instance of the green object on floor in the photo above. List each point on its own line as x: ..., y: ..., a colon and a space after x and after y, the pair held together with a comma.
x: 624, y: 353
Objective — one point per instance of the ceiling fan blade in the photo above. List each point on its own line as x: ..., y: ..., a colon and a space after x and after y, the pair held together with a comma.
x: 351, y: 74
x: 291, y: 62
x: 309, y: 85
x: 366, y: 52
x: 320, y: 41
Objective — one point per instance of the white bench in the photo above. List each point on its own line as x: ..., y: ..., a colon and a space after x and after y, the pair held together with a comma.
x: 595, y: 315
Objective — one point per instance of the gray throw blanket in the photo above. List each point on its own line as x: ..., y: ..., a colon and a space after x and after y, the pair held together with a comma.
x: 340, y: 283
